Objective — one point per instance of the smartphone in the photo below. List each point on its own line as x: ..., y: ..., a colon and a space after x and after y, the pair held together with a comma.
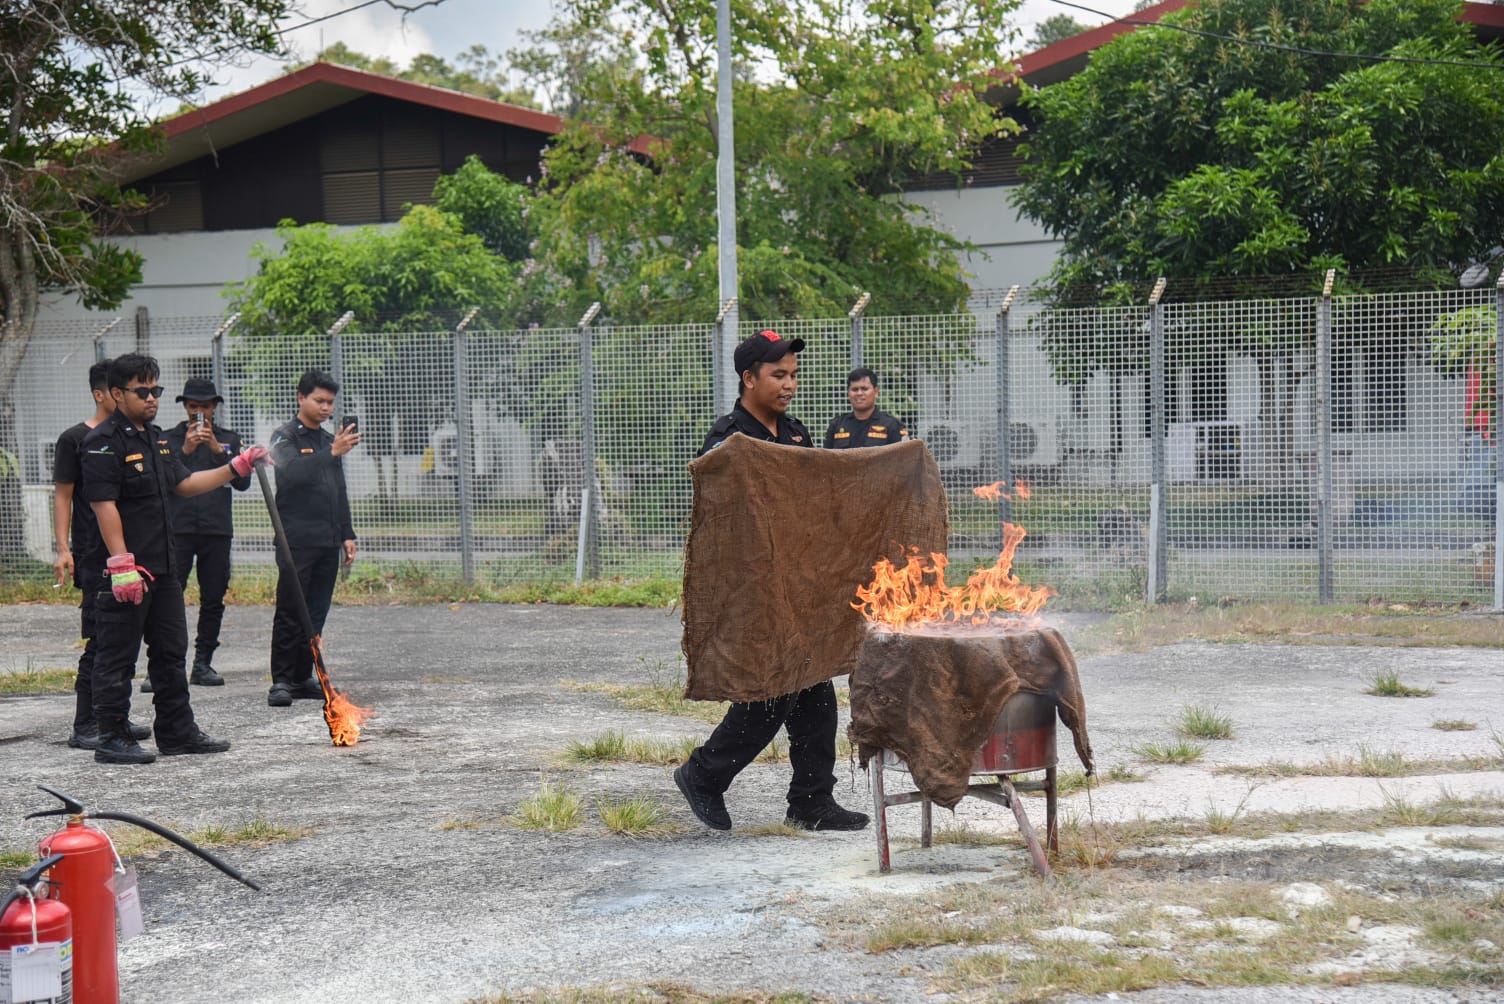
x: 200, y: 419
x: 350, y: 422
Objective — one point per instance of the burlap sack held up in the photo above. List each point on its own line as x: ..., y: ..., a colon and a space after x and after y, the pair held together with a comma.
x: 780, y: 538
x: 932, y: 697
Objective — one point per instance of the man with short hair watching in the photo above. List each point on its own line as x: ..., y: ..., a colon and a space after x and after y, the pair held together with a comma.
x: 864, y: 424
x: 315, y: 508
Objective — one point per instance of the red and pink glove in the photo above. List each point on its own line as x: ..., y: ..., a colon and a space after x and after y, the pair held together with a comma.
x: 247, y: 459
x: 125, y: 578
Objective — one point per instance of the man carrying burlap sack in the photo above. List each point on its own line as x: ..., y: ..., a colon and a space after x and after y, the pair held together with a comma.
x: 767, y: 367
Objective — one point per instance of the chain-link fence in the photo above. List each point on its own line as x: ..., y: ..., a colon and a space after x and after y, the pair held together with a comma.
x: 1334, y: 448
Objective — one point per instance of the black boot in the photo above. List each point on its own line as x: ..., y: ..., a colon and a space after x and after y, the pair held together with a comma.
x: 203, y: 675
x: 119, y: 747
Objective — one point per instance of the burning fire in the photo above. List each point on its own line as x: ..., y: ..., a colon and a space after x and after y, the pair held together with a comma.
x: 916, y: 593
x: 994, y: 491
x: 342, y: 715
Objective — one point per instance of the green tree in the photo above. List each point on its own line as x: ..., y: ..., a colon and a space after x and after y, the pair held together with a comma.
x: 1056, y: 28
x: 76, y: 77
x: 1198, y: 157
x: 407, y: 286
x: 845, y: 104
x: 488, y: 205
x: 474, y: 71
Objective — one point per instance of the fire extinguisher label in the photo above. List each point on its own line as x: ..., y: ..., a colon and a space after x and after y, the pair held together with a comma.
x: 41, y: 973
x: 128, y: 905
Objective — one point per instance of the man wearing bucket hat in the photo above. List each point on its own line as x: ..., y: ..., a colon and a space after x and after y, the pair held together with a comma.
x: 767, y: 368
x: 201, y: 524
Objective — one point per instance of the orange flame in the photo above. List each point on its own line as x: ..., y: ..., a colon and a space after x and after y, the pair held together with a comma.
x: 916, y: 594
x: 343, y: 716
x: 995, y: 491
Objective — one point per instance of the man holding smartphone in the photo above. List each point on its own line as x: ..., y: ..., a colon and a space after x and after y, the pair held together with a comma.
x: 315, y: 509
x: 201, y: 525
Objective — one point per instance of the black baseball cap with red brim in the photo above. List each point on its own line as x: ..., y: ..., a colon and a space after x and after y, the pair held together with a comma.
x: 764, y: 347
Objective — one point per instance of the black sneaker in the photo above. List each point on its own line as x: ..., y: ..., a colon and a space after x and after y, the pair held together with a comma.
x: 138, y: 732
x: 280, y: 696
x: 84, y: 739
x: 708, y: 807
x: 199, y: 742
x: 203, y: 675
x: 121, y: 749
x: 825, y: 816
x: 308, y: 690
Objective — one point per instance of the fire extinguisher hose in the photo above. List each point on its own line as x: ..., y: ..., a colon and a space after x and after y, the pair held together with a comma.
x: 73, y: 807
x: 181, y: 841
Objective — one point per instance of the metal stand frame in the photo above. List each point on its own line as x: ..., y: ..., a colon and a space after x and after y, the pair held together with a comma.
x: 1004, y: 793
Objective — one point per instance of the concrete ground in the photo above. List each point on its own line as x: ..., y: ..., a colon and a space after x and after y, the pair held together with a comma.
x: 412, y: 885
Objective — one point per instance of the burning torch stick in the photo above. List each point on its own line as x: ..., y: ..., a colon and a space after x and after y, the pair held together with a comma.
x: 342, y: 717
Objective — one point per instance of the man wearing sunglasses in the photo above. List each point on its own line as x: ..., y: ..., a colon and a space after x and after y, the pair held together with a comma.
x: 129, y: 473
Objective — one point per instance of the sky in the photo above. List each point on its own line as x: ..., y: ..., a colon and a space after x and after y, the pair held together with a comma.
x: 454, y: 25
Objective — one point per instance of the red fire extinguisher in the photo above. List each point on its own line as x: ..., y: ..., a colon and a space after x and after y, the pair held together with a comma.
x: 85, y: 880
x: 28, y: 918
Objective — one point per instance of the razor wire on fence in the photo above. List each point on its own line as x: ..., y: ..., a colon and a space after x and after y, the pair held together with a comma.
x: 1316, y: 448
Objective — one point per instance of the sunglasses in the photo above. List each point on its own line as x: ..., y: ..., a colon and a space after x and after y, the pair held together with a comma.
x: 144, y: 392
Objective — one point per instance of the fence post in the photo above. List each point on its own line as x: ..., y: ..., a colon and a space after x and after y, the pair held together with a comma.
x: 336, y: 349
x: 463, y: 458
x: 1159, y: 487
x: 856, y: 328
x: 217, y: 353
x: 143, y: 331
x: 99, y: 355
x: 1004, y: 470
x: 587, y: 555
x: 1499, y: 445
x: 1324, y: 589
x: 719, y: 390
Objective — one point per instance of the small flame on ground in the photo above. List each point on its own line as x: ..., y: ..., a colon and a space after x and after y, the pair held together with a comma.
x: 916, y: 593
x: 996, y: 491
x: 343, y: 716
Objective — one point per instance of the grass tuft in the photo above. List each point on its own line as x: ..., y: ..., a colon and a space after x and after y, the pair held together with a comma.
x: 613, y: 746
x: 1198, y: 721
x: 637, y: 817
x: 1453, y: 725
x: 1386, y: 683
x: 23, y: 858
x: 1180, y: 752
x: 37, y: 681
x: 552, y: 807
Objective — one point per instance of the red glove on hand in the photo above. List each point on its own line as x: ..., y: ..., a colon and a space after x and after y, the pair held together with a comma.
x: 248, y: 458
x: 125, y: 578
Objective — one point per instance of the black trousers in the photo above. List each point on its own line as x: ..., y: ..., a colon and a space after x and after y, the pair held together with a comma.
x: 120, y: 628
x: 315, y: 569
x: 211, y: 552
x: 810, y: 718
x: 83, y: 683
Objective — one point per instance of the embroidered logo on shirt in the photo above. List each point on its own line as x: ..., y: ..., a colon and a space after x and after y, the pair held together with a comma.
x: 872, y: 433
x: 305, y: 450
x: 843, y: 434
x: 140, y: 467
x: 133, y: 456
x: 877, y: 428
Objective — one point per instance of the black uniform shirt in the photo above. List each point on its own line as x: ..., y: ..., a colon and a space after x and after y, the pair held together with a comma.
x: 88, y: 548
x: 791, y: 432
x: 208, y: 513
x: 135, y: 469
x: 847, y: 432
x: 311, y: 494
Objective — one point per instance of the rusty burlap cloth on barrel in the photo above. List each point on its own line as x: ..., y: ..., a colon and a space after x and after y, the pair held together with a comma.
x: 932, y: 697
x: 779, y: 540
